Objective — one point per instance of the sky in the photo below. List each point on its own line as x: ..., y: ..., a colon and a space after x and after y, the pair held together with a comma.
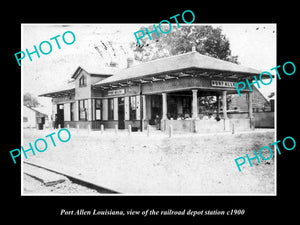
x: 255, y: 45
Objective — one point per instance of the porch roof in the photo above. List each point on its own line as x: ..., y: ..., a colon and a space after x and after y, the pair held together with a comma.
x: 63, y: 90
x: 180, y: 63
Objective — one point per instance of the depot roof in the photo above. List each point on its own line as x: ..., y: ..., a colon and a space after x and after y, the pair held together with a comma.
x: 182, y: 62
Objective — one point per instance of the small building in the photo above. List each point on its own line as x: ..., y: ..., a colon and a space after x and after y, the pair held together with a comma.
x: 33, y: 118
x: 164, y: 91
x: 260, y: 102
x: 263, y: 109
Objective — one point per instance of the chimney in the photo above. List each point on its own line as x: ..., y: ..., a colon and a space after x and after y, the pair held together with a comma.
x: 129, y: 62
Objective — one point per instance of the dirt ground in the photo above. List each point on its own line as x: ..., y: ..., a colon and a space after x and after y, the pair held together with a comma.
x: 33, y: 186
x: 196, y: 164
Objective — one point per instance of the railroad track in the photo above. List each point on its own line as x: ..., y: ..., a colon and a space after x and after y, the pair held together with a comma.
x: 50, y: 177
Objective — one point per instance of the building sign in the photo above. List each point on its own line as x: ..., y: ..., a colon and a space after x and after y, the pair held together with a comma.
x: 116, y: 92
x: 217, y: 83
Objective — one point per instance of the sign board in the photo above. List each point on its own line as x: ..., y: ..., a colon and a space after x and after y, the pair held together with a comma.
x: 217, y: 83
x: 116, y: 92
x: 82, y: 112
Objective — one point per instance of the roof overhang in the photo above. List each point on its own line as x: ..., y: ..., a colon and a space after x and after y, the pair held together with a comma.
x: 56, y: 94
x: 175, y: 74
x: 175, y: 67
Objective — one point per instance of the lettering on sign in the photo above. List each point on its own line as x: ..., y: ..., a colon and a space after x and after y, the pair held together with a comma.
x: 217, y: 83
x: 116, y: 92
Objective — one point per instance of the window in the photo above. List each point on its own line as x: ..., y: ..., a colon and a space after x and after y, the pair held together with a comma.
x: 110, y: 109
x: 82, y: 81
x: 132, y: 108
x: 82, y: 109
x: 97, y: 109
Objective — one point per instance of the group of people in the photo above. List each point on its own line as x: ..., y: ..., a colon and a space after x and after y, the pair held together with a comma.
x: 210, y: 116
x: 56, y: 122
x: 207, y: 116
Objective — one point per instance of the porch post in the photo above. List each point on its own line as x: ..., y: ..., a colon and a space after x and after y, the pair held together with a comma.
x: 224, y: 102
x: 194, y: 104
x: 143, y: 110
x: 250, y: 109
x: 250, y: 105
x: 218, y: 105
x: 163, y: 122
x: 144, y: 106
x: 116, y: 108
x: 164, y: 106
x: 226, y: 120
x: 126, y: 108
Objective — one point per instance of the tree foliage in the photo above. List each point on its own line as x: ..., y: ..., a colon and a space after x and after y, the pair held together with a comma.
x: 210, y: 102
x: 30, y: 101
x: 207, y: 40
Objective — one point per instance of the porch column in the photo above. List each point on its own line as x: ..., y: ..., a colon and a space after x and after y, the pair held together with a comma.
x: 195, y: 104
x: 138, y: 107
x: 250, y: 109
x: 104, y: 109
x: 126, y: 108
x: 164, y: 106
x: 226, y: 120
x: 250, y: 105
x: 143, y: 111
x: 116, y: 109
x: 224, y: 102
x: 89, y: 109
x: 218, y: 105
x: 144, y: 106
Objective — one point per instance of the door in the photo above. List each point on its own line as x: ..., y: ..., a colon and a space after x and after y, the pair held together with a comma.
x: 60, y: 115
x: 172, y: 107
x: 156, y: 108
x: 121, y: 112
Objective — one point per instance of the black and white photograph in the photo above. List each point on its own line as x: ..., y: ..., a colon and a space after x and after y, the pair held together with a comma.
x: 152, y: 109
x: 149, y: 113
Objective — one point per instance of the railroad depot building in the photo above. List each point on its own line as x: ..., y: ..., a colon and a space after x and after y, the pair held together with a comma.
x: 164, y: 91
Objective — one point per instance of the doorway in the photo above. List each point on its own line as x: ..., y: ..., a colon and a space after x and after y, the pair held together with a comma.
x: 156, y: 108
x: 121, y: 117
x: 60, y: 115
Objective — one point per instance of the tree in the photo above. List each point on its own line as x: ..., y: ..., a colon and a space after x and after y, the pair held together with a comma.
x: 210, y: 102
x: 30, y: 101
x: 207, y: 40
